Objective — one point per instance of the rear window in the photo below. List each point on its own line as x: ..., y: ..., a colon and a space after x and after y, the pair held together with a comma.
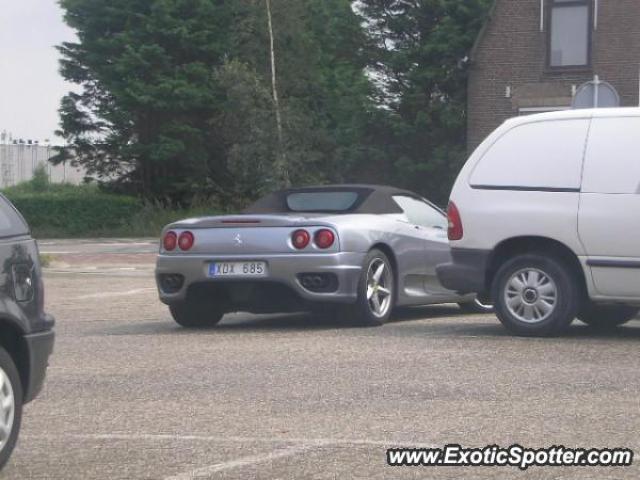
x: 535, y: 155
x: 11, y: 222
x: 321, y: 201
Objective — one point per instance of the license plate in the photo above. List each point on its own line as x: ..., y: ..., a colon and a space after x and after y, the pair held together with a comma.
x: 238, y: 269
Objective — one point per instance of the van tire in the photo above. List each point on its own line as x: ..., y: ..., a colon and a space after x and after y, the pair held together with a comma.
x: 558, y: 282
x: 603, y: 317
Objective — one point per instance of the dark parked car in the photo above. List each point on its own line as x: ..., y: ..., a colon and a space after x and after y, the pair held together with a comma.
x: 26, y: 332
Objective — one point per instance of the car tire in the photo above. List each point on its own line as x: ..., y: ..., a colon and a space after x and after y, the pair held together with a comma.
x: 10, y: 387
x: 603, y: 317
x: 477, y: 307
x: 536, y: 295
x: 196, y: 314
x: 373, y: 284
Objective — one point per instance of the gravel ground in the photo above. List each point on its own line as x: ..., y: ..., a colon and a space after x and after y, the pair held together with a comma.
x: 132, y: 396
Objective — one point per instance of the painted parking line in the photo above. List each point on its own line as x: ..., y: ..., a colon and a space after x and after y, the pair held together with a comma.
x: 281, y: 447
x: 308, y: 442
x: 248, y: 461
x: 126, y: 293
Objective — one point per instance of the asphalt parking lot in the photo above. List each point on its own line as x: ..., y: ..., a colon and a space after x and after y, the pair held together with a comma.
x: 130, y: 395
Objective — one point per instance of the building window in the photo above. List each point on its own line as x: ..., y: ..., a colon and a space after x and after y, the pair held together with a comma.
x: 570, y: 33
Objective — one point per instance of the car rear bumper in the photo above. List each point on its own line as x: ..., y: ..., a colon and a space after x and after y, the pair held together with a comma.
x: 283, y: 269
x: 467, y: 271
x: 39, y: 349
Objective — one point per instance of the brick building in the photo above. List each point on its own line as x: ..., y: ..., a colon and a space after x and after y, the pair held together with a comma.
x: 534, y: 55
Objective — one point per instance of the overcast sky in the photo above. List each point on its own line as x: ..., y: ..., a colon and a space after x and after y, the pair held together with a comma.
x: 30, y: 85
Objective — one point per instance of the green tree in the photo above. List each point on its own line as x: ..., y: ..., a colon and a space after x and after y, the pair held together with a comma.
x: 40, y: 180
x: 176, y: 98
x: 320, y: 53
x: 147, y: 72
x: 247, y: 132
x: 420, y: 64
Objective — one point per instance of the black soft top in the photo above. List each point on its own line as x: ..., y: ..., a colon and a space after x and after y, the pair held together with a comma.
x: 372, y: 199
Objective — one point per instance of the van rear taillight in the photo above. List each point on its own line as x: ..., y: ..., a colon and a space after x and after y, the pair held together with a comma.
x: 456, y: 232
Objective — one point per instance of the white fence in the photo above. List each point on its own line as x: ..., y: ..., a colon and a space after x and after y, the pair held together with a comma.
x: 19, y: 160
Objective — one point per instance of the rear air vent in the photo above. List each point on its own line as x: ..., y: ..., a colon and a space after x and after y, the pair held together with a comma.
x: 319, y: 282
x: 171, y: 282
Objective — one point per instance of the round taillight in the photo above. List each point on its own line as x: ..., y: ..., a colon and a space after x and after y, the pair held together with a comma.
x: 324, y: 238
x: 300, y: 239
x: 456, y: 231
x: 185, y: 241
x: 170, y: 241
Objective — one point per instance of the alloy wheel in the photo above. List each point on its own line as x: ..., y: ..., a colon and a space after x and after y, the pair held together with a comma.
x: 531, y: 295
x: 379, y: 287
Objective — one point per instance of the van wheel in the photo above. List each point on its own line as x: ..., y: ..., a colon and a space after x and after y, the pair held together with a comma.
x: 376, y: 293
x: 535, y: 295
x: 196, y: 314
x: 10, y: 406
x: 603, y: 317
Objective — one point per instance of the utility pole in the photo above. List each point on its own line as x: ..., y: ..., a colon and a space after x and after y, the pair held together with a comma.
x: 281, y: 164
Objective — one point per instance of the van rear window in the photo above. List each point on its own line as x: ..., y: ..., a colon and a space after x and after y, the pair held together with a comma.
x: 535, y: 155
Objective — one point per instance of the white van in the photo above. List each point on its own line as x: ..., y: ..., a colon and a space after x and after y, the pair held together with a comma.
x: 545, y: 218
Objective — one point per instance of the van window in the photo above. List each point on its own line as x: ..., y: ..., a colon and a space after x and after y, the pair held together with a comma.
x: 540, y: 155
x: 612, y: 163
x: 11, y: 222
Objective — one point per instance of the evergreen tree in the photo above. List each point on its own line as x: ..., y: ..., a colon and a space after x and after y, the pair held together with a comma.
x: 147, y: 72
x: 320, y: 52
x: 177, y: 96
x: 420, y: 64
x: 157, y: 101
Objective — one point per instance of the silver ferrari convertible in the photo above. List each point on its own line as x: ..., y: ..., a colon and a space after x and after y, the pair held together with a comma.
x: 355, y: 251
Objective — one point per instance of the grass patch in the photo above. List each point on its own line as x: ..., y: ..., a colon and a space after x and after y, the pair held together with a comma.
x: 152, y: 218
x: 45, y: 260
x: 69, y: 211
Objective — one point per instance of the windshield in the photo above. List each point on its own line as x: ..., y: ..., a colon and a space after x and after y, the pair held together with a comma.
x: 321, y: 201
